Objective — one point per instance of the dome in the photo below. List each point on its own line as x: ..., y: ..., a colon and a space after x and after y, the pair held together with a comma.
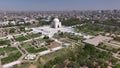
x: 56, y: 20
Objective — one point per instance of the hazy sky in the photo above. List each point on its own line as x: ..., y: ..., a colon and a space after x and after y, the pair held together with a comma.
x: 38, y: 5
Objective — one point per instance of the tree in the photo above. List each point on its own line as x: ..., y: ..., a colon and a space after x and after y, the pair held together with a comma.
x: 117, y: 65
x: 45, y: 37
x: 12, y: 30
x: 22, y: 28
x: 71, y: 22
x: 73, y: 65
x: 90, y: 64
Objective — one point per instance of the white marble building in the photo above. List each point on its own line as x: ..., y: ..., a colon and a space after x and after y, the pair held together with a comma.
x: 53, y: 28
x: 56, y: 23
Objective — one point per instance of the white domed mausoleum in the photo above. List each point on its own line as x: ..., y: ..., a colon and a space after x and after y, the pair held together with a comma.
x: 56, y: 23
x: 53, y: 28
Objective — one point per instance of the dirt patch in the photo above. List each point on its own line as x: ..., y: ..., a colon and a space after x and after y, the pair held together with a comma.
x: 42, y: 60
x: 32, y: 66
x: 54, y: 45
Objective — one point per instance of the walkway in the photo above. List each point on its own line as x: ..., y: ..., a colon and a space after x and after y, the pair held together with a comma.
x: 11, y: 64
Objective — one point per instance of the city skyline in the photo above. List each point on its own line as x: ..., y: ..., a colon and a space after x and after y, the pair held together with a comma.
x: 38, y: 5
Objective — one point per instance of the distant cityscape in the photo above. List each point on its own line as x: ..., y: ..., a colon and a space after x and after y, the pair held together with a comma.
x: 17, y: 18
x: 60, y: 39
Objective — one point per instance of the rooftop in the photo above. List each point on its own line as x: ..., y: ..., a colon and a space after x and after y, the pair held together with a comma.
x: 97, y: 40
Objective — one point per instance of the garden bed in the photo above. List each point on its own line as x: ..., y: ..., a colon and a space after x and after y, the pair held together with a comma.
x: 12, y: 57
x: 20, y: 38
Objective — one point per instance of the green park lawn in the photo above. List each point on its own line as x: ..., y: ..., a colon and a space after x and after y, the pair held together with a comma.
x: 12, y: 57
x: 26, y: 45
x: 4, y: 42
x: 20, y: 39
x: 8, y: 49
x: 33, y: 50
x: 34, y: 35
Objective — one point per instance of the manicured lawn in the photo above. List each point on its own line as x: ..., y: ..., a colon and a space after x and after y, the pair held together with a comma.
x: 11, y: 57
x: 40, y: 40
x: 26, y: 45
x: 35, y: 35
x: 33, y: 50
x: 4, y: 42
x: 30, y: 49
x: 8, y: 49
x: 20, y: 39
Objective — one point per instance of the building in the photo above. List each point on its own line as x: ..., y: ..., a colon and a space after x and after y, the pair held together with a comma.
x: 30, y: 57
x: 5, y: 23
x: 56, y: 23
x: 53, y: 28
x: 13, y: 22
x: 97, y: 40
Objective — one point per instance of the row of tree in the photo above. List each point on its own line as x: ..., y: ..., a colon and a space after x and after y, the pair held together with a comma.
x: 96, y: 27
x: 87, y: 56
x: 71, y: 22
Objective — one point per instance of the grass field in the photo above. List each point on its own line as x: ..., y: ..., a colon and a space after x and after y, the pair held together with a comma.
x: 26, y: 45
x: 29, y: 47
x: 11, y: 57
x: 8, y: 49
x: 33, y: 50
x: 20, y: 39
x: 34, y: 35
x: 4, y: 42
